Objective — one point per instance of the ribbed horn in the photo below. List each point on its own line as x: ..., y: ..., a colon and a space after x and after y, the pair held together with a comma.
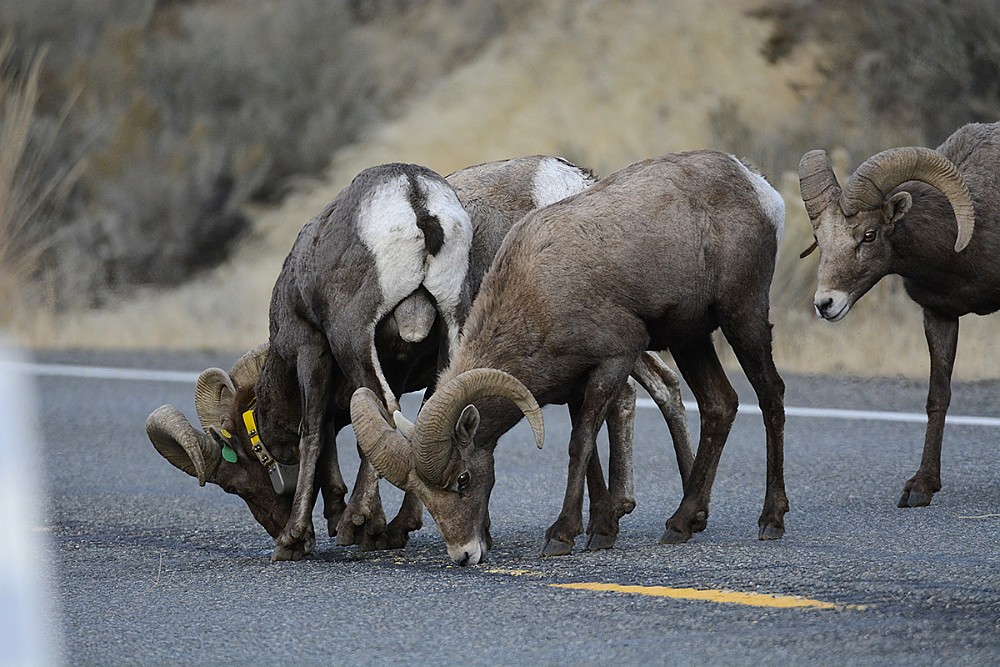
x: 437, y: 419
x: 208, y: 401
x: 388, y: 451
x: 247, y: 368
x: 869, y: 186
x: 817, y: 182
x: 173, y: 436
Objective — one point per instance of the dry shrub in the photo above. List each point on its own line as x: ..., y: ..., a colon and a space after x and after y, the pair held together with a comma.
x: 27, y: 197
x: 188, y: 111
x: 603, y: 84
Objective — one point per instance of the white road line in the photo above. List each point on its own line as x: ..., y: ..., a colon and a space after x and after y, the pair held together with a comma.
x: 833, y: 413
x: 97, y: 372
x: 152, y: 375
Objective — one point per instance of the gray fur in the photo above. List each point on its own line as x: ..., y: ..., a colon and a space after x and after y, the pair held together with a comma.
x: 654, y: 257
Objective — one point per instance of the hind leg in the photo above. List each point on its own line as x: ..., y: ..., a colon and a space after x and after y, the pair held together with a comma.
x: 750, y: 338
x: 665, y: 389
x: 331, y: 481
x: 717, y: 404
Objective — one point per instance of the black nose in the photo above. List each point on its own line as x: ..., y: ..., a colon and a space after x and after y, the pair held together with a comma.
x: 824, y: 305
x: 465, y: 558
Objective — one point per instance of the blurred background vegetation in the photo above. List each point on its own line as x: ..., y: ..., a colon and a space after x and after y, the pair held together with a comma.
x: 157, y: 157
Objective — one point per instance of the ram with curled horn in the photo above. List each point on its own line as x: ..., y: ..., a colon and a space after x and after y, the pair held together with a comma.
x: 931, y: 217
x: 213, y: 453
x: 579, y: 294
x: 251, y: 418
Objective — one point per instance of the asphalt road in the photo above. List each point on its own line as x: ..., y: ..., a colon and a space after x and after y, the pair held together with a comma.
x: 148, y: 568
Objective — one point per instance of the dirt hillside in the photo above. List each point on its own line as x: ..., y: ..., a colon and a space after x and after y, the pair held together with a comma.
x: 602, y: 84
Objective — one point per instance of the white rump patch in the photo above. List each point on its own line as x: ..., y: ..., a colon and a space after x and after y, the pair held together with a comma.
x: 556, y: 179
x: 445, y: 272
x: 770, y: 200
x: 387, y: 226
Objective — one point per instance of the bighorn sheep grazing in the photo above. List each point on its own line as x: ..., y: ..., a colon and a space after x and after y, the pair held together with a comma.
x: 263, y: 391
x: 911, y: 211
x: 380, y: 272
x: 656, y: 256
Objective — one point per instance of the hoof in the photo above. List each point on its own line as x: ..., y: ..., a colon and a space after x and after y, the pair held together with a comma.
x: 383, y: 541
x: 556, y: 547
x: 291, y: 552
x: 770, y: 532
x: 914, y: 498
x: 671, y: 536
x: 598, y: 542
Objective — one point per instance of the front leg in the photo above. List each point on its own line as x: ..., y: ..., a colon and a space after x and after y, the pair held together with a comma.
x: 942, y: 343
x: 619, y: 498
x: 364, y: 517
x: 603, y: 386
x: 409, y: 519
x: 298, y: 538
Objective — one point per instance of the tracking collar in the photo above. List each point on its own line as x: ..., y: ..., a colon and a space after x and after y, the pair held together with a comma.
x: 283, y: 476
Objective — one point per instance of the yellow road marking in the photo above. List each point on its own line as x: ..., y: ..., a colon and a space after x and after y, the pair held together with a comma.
x: 709, y: 595
x: 514, y: 572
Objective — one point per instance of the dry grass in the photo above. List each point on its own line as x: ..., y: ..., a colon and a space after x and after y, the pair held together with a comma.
x: 603, y: 84
x: 27, y: 196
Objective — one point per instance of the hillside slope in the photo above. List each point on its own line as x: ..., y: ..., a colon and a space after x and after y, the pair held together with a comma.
x: 602, y: 84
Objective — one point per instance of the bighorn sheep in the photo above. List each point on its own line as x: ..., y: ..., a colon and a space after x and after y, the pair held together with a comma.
x: 911, y: 211
x: 380, y: 272
x: 406, y: 340
x: 656, y: 256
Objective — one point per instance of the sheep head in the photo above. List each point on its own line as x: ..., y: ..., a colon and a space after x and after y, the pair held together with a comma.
x: 853, y: 225
x: 438, y: 458
x: 219, y: 453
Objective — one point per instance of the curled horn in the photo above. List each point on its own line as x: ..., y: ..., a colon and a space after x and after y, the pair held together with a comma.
x: 817, y: 182
x: 437, y: 419
x: 208, y: 396
x: 819, y: 187
x: 173, y: 436
x: 869, y: 186
x: 388, y: 451
x: 247, y: 369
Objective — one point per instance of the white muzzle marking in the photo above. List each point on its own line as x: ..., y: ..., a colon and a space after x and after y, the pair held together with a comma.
x: 832, y: 305
x: 470, y: 553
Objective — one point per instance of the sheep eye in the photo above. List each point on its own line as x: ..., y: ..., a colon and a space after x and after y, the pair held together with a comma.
x: 463, y: 480
x: 869, y: 236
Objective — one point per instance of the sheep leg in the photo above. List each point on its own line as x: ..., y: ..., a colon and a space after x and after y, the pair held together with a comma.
x: 313, y: 367
x: 717, y: 403
x: 363, y: 517
x: 602, y: 530
x: 603, y: 386
x: 942, y: 342
x: 363, y: 521
x: 665, y: 389
x: 331, y: 481
x: 619, y: 498
x: 751, y: 341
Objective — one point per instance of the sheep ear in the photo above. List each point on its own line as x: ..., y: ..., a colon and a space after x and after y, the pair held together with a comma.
x: 896, y: 206
x: 468, y: 423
